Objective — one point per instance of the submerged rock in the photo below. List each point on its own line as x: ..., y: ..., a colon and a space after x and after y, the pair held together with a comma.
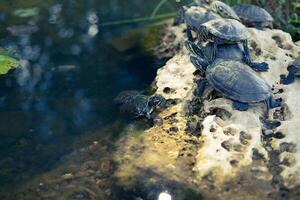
x: 216, y: 150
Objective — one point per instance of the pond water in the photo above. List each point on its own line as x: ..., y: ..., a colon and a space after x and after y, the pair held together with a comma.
x: 71, y: 68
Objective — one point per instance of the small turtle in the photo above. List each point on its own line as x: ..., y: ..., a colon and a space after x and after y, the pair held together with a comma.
x: 204, y: 56
x: 218, y: 7
x: 223, y: 10
x: 254, y: 16
x: 228, y: 31
x: 294, y: 70
x: 194, y: 17
x: 238, y: 82
x: 137, y: 105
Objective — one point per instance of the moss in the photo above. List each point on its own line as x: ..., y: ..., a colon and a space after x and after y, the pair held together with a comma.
x: 192, y: 194
x: 151, y: 38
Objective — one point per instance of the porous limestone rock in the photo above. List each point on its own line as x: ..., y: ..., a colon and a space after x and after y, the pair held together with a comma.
x: 205, y: 145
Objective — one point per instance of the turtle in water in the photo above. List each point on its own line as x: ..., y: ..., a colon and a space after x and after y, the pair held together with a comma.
x: 294, y: 70
x: 238, y: 82
x: 254, y: 16
x: 228, y: 31
x: 136, y: 105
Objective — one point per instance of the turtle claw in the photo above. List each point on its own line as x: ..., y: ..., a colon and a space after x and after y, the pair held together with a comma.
x: 260, y: 67
x: 199, y: 64
x: 275, y: 103
x: 286, y: 80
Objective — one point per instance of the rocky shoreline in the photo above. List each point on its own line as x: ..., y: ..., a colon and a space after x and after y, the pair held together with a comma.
x: 206, y: 145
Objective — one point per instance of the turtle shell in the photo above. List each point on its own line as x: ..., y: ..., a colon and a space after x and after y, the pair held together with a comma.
x: 237, y: 81
x: 224, y: 10
x: 252, y: 13
x: 134, y: 106
x: 195, y: 16
x: 227, y: 29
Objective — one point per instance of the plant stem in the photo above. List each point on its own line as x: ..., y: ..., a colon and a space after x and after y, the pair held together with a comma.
x: 156, y: 9
x: 141, y: 19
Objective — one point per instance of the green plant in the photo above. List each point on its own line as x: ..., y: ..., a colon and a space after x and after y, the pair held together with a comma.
x: 7, y: 63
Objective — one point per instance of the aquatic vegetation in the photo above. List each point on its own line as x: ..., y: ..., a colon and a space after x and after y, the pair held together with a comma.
x: 7, y: 63
x: 26, y: 12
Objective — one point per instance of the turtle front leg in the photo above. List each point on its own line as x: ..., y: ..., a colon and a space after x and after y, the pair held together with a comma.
x: 201, y: 86
x: 240, y: 106
x: 274, y: 103
x: 189, y: 34
x: 215, y: 49
x: 290, y: 78
x: 200, y: 64
x: 194, y: 48
x: 260, y: 67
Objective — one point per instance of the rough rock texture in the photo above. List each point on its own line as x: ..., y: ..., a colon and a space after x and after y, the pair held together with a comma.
x: 206, y: 145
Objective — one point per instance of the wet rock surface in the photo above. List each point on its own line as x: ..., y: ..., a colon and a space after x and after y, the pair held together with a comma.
x: 221, y: 152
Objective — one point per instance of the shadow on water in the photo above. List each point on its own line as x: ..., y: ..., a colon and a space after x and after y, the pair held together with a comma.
x: 70, y: 70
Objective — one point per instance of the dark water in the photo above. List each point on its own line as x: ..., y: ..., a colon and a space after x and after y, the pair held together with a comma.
x: 69, y: 73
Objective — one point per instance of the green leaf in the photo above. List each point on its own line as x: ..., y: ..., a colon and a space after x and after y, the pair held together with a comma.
x: 7, y: 63
x: 26, y: 12
x: 296, y: 5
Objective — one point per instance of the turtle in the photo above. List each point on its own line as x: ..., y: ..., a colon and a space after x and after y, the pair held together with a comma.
x: 204, y: 56
x: 294, y: 70
x: 236, y: 81
x: 137, y: 105
x: 218, y: 7
x: 223, y: 10
x: 194, y: 17
x: 228, y: 31
x: 253, y: 16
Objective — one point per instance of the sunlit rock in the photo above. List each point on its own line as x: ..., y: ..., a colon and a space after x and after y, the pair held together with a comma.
x: 225, y: 156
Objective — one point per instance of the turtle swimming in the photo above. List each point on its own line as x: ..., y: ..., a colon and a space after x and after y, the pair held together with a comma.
x: 136, y: 105
x: 253, y: 16
x: 228, y: 31
x: 294, y: 70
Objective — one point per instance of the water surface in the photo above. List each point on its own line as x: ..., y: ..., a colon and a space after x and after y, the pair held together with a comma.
x: 70, y: 70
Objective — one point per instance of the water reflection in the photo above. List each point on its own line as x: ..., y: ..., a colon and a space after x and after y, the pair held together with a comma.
x: 68, y: 75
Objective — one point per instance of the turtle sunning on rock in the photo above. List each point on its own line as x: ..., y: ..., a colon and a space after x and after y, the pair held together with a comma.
x: 228, y: 31
x: 136, y: 105
x: 228, y: 75
x: 194, y: 16
x: 223, y: 10
x: 238, y: 82
x: 226, y: 52
x: 220, y: 8
x: 294, y: 70
x: 253, y: 16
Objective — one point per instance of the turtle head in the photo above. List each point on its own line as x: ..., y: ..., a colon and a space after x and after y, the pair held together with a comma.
x: 223, y: 10
x: 154, y: 102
